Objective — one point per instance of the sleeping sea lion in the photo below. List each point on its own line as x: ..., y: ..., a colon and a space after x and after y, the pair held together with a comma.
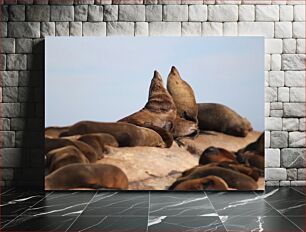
x: 254, y: 159
x: 99, y: 141
x: 183, y: 96
x: 215, y: 154
x: 218, y: 117
x: 87, y: 176
x: 205, y: 183
x: 126, y: 134
x: 64, y: 156
x: 88, y: 151
x: 232, y: 178
x: 258, y: 146
x: 159, y: 111
x: 54, y: 132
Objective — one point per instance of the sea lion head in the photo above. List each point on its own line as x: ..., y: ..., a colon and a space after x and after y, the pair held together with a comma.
x: 184, y: 127
x: 157, y: 84
x: 215, y: 154
x: 160, y: 100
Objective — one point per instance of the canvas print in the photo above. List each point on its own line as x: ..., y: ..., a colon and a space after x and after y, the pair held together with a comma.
x: 154, y: 113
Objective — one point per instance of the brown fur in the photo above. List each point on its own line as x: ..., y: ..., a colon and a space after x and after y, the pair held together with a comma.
x: 99, y: 141
x: 218, y: 117
x: 215, y: 154
x: 254, y: 159
x: 258, y: 146
x: 159, y: 111
x: 205, y: 183
x: 233, y: 179
x: 64, y: 156
x: 88, y: 151
x: 87, y: 176
x: 183, y: 127
x: 183, y: 96
x: 127, y: 135
x: 54, y: 132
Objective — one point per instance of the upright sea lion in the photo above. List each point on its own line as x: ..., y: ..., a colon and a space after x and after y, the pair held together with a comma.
x: 87, y: 176
x: 61, y: 157
x: 232, y: 178
x: 183, y: 96
x: 215, y: 154
x: 218, y: 117
x: 88, y: 151
x: 126, y: 134
x: 183, y: 127
x: 205, y: 183
x: 54, y: 132
x: 99, y: 141
x: 159, y: 111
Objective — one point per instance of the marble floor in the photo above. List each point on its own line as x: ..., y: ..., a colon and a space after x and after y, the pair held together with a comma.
x: 275, y: 210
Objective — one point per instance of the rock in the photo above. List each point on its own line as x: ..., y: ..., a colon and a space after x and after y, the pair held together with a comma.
x: 149, y: 167
x: 212, y: 138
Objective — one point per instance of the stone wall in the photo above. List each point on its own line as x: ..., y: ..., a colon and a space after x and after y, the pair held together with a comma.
x: 24, y: 24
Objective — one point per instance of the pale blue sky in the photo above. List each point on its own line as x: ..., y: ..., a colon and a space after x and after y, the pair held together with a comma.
x: 105, y: 79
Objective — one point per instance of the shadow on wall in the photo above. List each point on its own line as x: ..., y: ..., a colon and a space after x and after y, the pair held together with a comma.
x: 32, y: 138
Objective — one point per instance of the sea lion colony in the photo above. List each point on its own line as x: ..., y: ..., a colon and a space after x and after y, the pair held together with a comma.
x: 170, y: 113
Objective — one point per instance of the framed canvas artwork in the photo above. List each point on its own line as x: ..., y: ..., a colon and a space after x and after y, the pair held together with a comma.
x: 154, y: 113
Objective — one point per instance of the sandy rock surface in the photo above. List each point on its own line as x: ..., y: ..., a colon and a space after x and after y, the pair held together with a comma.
x: 150, y: 168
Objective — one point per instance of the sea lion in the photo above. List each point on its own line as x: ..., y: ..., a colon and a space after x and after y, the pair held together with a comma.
x: 126, y: 134
x: 54, y: 132
x: 215, y: 154
x: 258, y: 146
x: 205, y: 183
x: 87, y: 176
x: 183, y: 127
x: 183, y: 96
x: 88, y: 151
x: 254, y: 159
x: 232, y: 178
x: 99, y: 141
x: 243, y: 168
x: 159, y: 111
x: 63, y: 156
x: 218, y: 117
